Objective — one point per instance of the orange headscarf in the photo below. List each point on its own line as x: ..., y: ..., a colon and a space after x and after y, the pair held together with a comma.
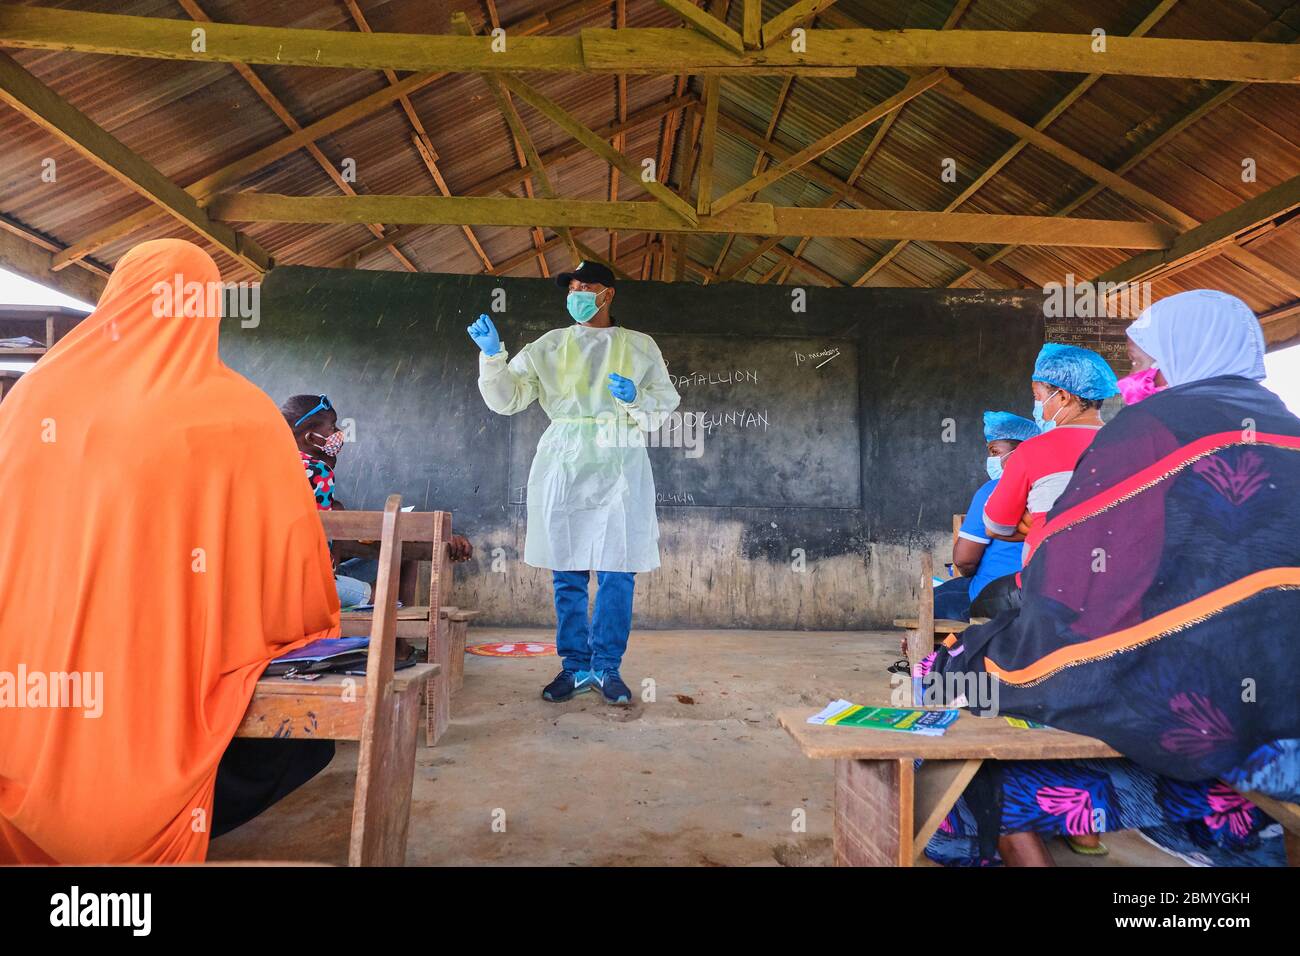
x: 160, y: 541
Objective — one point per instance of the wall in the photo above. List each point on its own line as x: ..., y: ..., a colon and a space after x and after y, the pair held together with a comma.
x: 825, y: 470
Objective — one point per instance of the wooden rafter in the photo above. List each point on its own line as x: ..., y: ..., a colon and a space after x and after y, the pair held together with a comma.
x: 706, y: 23
x: 522, y: 141
x: 795, y: 16
x: 667, y: 138
x: 40, y: 104
x: 752, y: 21
x: 1218, y: 232
x: 829, y: 180
x: 419, y: 137
x: 1011, y: 153
x: 516, y: 176
x: 750, y: 218
x: 829, y: 141
x: 597, y: 144
x: 30, y: 255
x: 648, y: 50
x: 1118, y: 184
x: 619, y: 142
x: 245, y: 166
x: 1275, y: 32
x: 199, y: 15
x: 708, y: 136
x: 461, y: 25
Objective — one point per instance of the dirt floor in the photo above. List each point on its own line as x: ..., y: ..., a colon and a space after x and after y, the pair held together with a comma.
x: 701, y: 776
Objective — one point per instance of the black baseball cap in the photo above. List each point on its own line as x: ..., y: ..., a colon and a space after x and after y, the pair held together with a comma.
x: 587, y: 272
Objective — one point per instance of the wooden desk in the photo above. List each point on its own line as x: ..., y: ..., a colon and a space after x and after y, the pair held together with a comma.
x: 381, y: 710
x: 886, y: 811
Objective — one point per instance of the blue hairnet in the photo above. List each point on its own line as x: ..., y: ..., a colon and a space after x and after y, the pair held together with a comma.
x: 999, y: 426
x: 1078, y: 370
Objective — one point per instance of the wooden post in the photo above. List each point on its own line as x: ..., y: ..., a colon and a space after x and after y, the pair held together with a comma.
x: 438, y: 693
x: 921, y: 641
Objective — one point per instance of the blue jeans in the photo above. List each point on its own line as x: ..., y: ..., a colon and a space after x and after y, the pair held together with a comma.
x: 598, y: 645
x: 355, y: 580
x: 952, y: 599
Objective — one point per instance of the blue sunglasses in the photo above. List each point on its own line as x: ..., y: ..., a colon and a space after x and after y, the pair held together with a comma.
x: 322, y: 406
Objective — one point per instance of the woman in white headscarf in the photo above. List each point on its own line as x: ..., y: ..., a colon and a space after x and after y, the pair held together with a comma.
x: 1190, y: 337
x: 1159, y: 614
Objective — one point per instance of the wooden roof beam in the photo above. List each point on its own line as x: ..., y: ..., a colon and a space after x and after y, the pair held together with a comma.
x: 1274, y: 32
x: 1211, y: 236
x: 708, y: 137
x: 282, y: 113
x: 706, y: 23
x: 31, y: 257
x: 201, y: 189
x: 245, y: 166
x: 40, y: 104
x: 647, y: 50
x: 598, y: 145
x: 795, y: 16
x: 852, y: 193
x: 970, y: 259
x: 749, y: 218
x: 523, y: 143
x: 829, y: 141
x: 419, y: 135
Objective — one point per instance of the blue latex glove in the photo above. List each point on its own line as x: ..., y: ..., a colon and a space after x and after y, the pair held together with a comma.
x: 624, y: 389
x: 485, y: 336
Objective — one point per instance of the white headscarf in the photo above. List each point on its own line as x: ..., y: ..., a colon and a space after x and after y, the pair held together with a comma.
x: 1201, y: 334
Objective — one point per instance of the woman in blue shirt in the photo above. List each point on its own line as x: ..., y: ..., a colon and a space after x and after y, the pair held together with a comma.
x: 977, y: 556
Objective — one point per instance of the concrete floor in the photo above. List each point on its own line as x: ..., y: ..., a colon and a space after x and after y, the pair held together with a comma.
x: 703, y: 776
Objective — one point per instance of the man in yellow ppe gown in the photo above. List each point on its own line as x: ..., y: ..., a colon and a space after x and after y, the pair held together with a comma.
x: 591, y: 492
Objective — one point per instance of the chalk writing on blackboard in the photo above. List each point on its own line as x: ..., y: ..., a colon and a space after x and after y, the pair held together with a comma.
x: 674, y: 498
x: 817, y: 358
x: 714, y: 378
x: 739, y: 418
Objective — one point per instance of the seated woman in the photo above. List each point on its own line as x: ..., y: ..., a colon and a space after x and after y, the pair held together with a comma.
x: 981, y: 558
x: 1157, y: 614
x: 315, y: 427
x: 168, y: 581
x: 1069, y: 384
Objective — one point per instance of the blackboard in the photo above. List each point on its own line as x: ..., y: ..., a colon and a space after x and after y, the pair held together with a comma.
x: 852, y: 450
x: 763, y: 422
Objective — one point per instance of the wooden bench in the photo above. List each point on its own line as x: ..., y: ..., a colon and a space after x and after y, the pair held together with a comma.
x: 937, y: 625
x: 886, y: 811
x: 425, y: 537
x: 941, y: 625
x: 458, y: 619
x: 381, y: 710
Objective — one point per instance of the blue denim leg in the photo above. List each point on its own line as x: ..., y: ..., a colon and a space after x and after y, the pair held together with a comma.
x: 612, y: 622
x: 952, y: 599
x: 572, y: 632
x: 363, y: 569
x: 351, y: 591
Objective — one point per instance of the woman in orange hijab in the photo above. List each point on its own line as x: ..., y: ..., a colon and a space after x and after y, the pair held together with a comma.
x: 163, y: 548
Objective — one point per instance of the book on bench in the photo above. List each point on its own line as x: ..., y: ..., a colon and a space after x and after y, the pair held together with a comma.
x: 326, y: 654
x: 330, y: 655
x: 843, y: 713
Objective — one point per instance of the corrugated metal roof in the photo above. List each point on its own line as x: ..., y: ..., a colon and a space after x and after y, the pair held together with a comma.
x: 190, y: 119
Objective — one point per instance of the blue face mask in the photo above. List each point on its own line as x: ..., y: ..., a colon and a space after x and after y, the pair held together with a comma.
x: 1044, y: 425
x: 582, y: 305
x: 993, y: 465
